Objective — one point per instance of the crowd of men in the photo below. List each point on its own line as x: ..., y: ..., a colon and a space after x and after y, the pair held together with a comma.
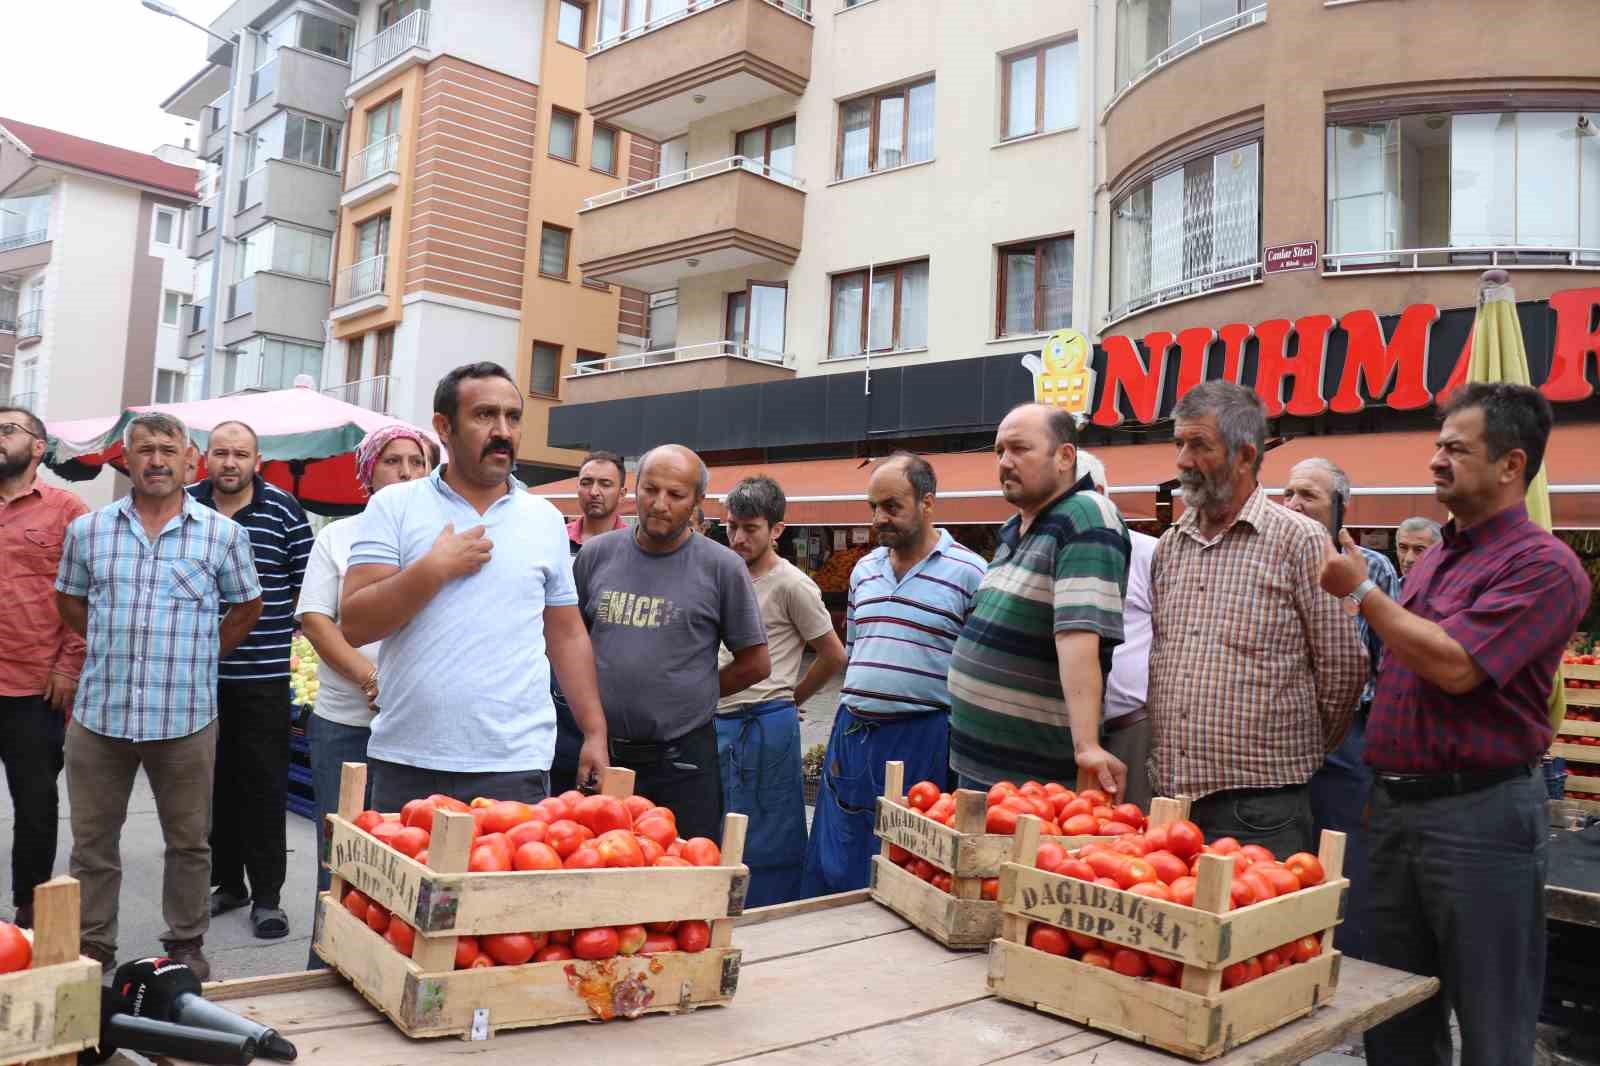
x: 1254, y: 660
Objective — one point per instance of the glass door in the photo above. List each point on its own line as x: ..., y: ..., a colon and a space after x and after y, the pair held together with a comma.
x: 767, y: 304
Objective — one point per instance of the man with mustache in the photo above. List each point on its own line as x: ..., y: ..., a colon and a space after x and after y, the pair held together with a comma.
x: 1413, y: 537
x: 143, y: 579
x: 40, y: 662
x: 660, y: 601
x: 1254, y: 672
x: 909, y: 599
x: 467, y: 559
x: 248, y: 835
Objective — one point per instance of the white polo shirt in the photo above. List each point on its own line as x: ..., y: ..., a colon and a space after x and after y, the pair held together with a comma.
x: 465, y: 684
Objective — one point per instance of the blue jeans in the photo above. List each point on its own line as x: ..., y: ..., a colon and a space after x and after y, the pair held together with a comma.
x: 332, y: 745
x: 758, y: 749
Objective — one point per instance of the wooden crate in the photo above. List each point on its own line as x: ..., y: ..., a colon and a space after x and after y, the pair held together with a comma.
x: 52, y: 1011
x: 961, y: 918
x: 1197, y: 1019
x: 425, y: 996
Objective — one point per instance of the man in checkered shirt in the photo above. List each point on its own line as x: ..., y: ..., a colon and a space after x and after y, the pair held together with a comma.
x: 143, y: 579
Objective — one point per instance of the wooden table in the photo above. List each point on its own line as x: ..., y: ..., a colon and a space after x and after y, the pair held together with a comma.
x: 838, y: 980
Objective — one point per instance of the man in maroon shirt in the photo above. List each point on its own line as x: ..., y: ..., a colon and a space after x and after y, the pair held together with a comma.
x: 1458, y: 726
x: 40, y: 660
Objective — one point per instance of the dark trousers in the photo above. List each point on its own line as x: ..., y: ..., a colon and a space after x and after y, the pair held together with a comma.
x: 1279, y: 819
x: 395, y: 784
x: 682, y: 774
x: 1457, y: 893
x: 252, y: 778
x: 569, y: 743
x: 1339, y: 796
x: 332, y: 745
x: 32, y: 739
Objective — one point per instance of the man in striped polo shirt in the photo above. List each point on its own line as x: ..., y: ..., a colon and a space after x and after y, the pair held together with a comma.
x: 247, y: 828
x: 1028, y: 676
x: 909, y: 599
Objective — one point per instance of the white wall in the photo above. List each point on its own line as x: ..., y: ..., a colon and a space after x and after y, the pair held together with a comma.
x: 177, y: 275
x: 503, y: 35
x: 434, y: 338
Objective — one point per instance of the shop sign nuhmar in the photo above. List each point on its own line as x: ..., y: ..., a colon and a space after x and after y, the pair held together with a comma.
x: 1282, y: 258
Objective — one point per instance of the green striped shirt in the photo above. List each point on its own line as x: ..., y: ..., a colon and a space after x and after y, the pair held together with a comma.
x: 1008, y: 720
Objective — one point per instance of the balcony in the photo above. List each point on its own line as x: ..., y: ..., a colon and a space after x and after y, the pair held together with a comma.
x: 24, y: 251
x: 712, y: 56
x: 361, y: 287
x: 30, y: 326
x: 728, y: 215
x: 403, y: 44
x: 373, y: 171
x: 715, y: 365
x: 371, y: 393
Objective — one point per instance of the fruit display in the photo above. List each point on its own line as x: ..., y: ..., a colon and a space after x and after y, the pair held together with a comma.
x: 1159, y: 969
x: 834, y: 574
x: 303, y: 663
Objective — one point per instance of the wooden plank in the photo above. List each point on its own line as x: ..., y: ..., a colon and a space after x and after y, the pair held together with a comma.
x: 1578, y: 752
x: 959, y: 854
x: 271, y: 984
x: 1581, y: 672
x: 1573, y: 905
x: 778, y: 911
x: 956, y: 923
x: 1585, y: 786
x: 1577, y: 727
x: 816, y: 930
x: 1583, y: 697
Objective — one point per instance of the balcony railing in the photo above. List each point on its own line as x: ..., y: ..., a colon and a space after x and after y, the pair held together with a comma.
x: 800, y: 11
x: 22, y: 240
x: 264, y: 81
x: 709, y: 350
x: 1463, y: 258
x: 1244, y: 274
x: 695, y: 173
x: 251, y: 188
x: 357, y: 280
x: 375, y: 160
x: 371, y: 393
x: 1204, y: 35
x: 31, y: 323
x: 410, y: 32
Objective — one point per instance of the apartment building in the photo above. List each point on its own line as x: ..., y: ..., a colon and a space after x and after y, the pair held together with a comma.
x: 93, y: 273
x: 469, y: 156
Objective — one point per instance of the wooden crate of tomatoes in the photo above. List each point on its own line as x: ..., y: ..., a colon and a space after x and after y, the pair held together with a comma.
x: 1578, y: 740
x: 1161, y: 937
x: 51, y: 994
x: 940, y: 863
x: 458, y: 919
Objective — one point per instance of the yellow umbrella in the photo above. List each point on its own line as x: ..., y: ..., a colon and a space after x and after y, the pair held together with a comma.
x: 1498, y: 355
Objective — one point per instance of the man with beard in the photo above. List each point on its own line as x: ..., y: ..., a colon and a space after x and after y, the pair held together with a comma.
x: 40, y: 661
x: 659, y: 601
x: 909, y: 599
x: 1028, y: 675
x: 600, y: 481
x: 1254, y: 672
x: 248, y: 835
x: 758, y: 730
x: 1414, y: 536
x: 465, y: 559
x: 1461, y: 717
x: 143, y: 579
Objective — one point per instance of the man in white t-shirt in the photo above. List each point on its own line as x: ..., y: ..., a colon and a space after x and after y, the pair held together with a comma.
x: 1124, y: 728
x: 465, y: 578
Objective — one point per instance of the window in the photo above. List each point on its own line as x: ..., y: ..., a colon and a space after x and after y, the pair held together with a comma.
x: 171, y: 386
x: 1035, y: 290
x: 755, y: 319
x: 563, y: 135
x: 1193, y: 227
x: 663, y: 320
x: 383, y: 120
x: 1149, y: 29
x: 299, y: 138
x: 1041, y: 90
x: 621, y: 17
x: 284, y: 250
x: 603, y: 149
x: 324, y: 36
x: 392, y: 11
x: 283, y: 361
x: 24, y: 220
x: 1528, y: 180
x: 383, y: 358
x: 171, y: 307
x: 882, y: 309
x: 772, y: 145
x: 569, y: 24
x: 372, y: 238
x: 167, y: 227
x: 553, y: 244
x: 886, y: 131
x: 546, y: 368
x: 352, y: 358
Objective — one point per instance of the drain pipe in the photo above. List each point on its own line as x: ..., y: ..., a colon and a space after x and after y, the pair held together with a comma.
x: 1094, y: 164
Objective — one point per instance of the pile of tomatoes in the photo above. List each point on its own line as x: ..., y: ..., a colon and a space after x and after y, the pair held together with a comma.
x: 1157, y: 968
x: 1573, y: 659
x: 1063, y: 811
x: 514, y: 949
x: 571, y: 831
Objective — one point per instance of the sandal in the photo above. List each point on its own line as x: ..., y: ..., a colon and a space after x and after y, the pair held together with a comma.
x: 269, y: 923
x: 223, y: 901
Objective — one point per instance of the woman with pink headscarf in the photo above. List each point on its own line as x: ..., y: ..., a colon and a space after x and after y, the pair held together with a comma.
x: 348, y: 682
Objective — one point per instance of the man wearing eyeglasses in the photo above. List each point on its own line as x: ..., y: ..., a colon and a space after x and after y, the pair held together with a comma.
x: 39, y: 664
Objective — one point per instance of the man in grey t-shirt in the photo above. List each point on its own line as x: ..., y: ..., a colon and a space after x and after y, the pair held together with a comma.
x: 658, y: 602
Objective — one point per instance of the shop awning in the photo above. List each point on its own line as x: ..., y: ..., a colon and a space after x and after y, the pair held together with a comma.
x: 1389, y: 472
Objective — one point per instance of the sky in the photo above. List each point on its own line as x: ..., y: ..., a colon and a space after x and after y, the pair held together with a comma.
x: 100, y: 68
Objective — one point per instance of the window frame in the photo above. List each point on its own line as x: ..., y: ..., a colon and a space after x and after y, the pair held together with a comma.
x: 1037, y: 54
x: 167, y: 296
x: 1002, y: 252
x: 901, y: 91
x: 727, y: 315
x: 577, y: 129
x: 179, y: 379
x: 177, y: 227
x: 566, y: 254
x: 877, y: 271
x: 533, y: 354
x: 766, y: 129
x: 616, y: 148
x: 583, y: 22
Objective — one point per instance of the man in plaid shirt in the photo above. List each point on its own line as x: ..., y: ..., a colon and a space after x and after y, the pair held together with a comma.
x: 1459, y: 724
x: 143, y: 580
x: 1254, y: 671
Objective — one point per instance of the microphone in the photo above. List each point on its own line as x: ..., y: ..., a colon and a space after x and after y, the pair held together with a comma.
x: 169, y: 991
x: 120, y: 1030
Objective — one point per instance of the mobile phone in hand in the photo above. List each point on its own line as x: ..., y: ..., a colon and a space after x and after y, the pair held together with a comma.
x: 1338, y: 520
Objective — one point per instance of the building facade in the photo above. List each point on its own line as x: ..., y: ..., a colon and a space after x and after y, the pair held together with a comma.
x: 92, y: 246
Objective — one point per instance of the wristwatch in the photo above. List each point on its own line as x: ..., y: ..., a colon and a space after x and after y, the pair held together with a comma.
x: 1359, y: 593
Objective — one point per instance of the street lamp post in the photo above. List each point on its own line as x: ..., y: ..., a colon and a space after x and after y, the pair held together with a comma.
x: 214, y: 325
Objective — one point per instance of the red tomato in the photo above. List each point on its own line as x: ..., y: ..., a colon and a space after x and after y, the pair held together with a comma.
x: 1106, y: 863
x: 1077, y: 868
x: 1256, y: 853
x: 1183, y: 891
x: 656, y: 943
x: 649, y: 849
x: 693, y: 936
x: 1282, y: 881
x: 1040, y: 805
x: 922, y: 869
x: 1307, y: 948
x: 1082, y: 941
x: 1161, y: 967
x: 526, y: 833
x: 661, y: 812
x: 1168, y: 866
x: 560, y: 936
x: 355, y: 901
x: 1136, y: 871
x: 602, y: 814
x: 657, y: 828
x: 1080, y: 825
x: 1129, y: 963
x: 1164, y: 979
x: 1129, y: 813
x: 366, y: 820
x: 402, y: 936
x: 377, y: 917
x: 505, y: 814
x: 636, y: 806
x: 414, y: 811
x: 1241, y: 893
x: 422, y: 856
x: 1259, y: 884
x: 572, y: 797
x: 618, y: 848
x: 488, y: 860
x: 898, y: 855
x: 585, y: 858
x: 1157, y: 837
x: 1184, y: 839
x: 508, y: 949
x: 410, y: 840
x: 1001, y: 819
x: 1030, y: 788
x: 1235, y: 975
x: 1102, y: 812
x: 701, y: 851
x: 556, y: 808
x: 1056, y: 788
x: 1221, y: 846
x: 1075, y: 807
x: 1048, y: 938
x: 536, y: 855
x: 1097, y: 958
x: 1153, y: 889
x: 1051, y: 855
x: 1270, y: 962
x: 672, y: 860
x: 466, y: 950
x: 566, y: 836
x: 1305, y: 866
x: 1109, y: 882
x: 661, y: 927
x: 942, y: 812
x: 1253, y: 969
x: 1000, y: 791
x: 630, y: 939
x: 1131, y: 844
x: 16, y: 950
x: 990, y: 888
x: 1095, y: 797
x: 385, y: 832
x: 923, y: 794
x: 553, y: 953
x: 482, y: 962
x: 1109, y: 828
x: 943, y: 882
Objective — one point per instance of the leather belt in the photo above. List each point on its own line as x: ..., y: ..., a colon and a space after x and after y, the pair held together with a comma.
x: 1414, y: 788
x: 1121, y: 722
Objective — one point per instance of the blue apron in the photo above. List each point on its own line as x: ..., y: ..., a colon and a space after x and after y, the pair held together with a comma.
x: 758, y: 748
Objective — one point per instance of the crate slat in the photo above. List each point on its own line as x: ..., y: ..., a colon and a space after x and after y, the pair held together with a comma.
x: 1577, y: 727
x: 1580, y: 752
x: 1583, y: 697
x: 952, y: 921
x: 1583, y: 784
x: 52, y: 1011
x: 1581, y: 672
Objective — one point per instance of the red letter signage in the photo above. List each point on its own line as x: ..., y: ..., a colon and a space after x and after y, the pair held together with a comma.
x: 1305, y: 365
x: 1404, y: 359
x: 1127, y: 374
x: 1576, y: 343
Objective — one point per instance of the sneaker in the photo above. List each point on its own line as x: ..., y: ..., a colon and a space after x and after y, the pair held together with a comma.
x: 188, y: 953
x: 24, y: 917
x: 106, y: 959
